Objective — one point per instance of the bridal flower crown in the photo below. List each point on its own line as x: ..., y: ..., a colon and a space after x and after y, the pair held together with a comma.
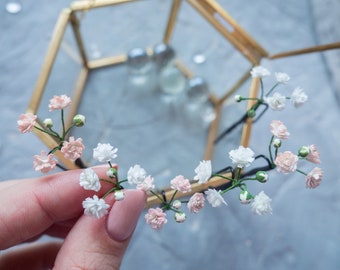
x: 241, y: 158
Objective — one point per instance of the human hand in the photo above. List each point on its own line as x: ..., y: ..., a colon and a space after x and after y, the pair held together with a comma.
x: 52, y: 205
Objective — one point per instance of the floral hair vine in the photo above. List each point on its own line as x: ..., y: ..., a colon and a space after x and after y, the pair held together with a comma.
x: 236, y: 176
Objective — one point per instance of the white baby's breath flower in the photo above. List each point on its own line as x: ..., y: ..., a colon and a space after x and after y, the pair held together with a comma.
x: 95, y: 207
x: 104, y: 152
x: 298, y: 97
x: 242, y: 157
x: 277, y: 102
x: 282, y: 77
x: 136, y: 175
x: 261, y: 204
x: 214, y: 197
x: 259, y: 72
x: 89, y: 180
x: 203, y: 171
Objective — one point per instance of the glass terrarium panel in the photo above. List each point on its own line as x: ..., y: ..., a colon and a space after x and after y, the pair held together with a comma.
x: 205, y: 52
x: 125, y: 27
x: 136, y: 120
x: 157, y: 130
x: 63, y: 78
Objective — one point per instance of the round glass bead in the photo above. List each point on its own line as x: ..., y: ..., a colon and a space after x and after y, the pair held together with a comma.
x: 163, y: 55
x: 139, y: 67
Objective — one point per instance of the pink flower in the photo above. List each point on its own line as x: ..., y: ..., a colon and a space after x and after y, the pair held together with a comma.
x: 26, y: 122
x: 196, y: 202
x: 314, y: 155
x: 73, y: 149
x: 59, y: 102
x: 279, y: 130
x: 181, y: 184
x: 147, y: 184
x: 44, y: 162
x: 286, y: 162
x: 314, y: 178
x: 156, y: 218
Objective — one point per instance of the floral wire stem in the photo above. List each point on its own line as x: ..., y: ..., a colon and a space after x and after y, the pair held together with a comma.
x: 117, y: 186
x: 270, y: 150
x: 302, y: 172
x: 262, y: 113
x: 262, y: 88
x: 173, y: 196
x: 109, y: 192
x: 68, y: 130
x: 235, y: 182
x: 49, y: 132
x: 165, y: 205
x: 225, y: 170
x: 63, y: 122
x: 272, y: 89
x: 244, y: 117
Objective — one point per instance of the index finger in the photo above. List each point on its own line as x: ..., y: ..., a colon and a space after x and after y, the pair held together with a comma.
x: 29, y: 207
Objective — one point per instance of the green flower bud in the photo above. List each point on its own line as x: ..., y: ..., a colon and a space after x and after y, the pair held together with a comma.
x: 111, y: 172
x: 304, y: 151
x: 180, y: 217
x: 245, y: 197
x: 251, y: 113
x: 79, y: 120
x: 48, y: 123
x: 277, y: 143
x: 262, y: 176
x: 119, y: 195
x: 238, y: 98
x: 177, y: 204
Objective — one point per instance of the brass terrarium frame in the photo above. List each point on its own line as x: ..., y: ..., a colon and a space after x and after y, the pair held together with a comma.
x: 213, y: 13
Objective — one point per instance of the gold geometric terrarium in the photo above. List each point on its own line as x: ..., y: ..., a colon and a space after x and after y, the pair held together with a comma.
x: 73, y: 21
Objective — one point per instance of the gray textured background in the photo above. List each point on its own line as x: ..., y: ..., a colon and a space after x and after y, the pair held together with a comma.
x: 302, y: 233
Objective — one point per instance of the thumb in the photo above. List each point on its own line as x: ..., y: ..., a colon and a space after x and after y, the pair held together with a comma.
x: 101, y: 243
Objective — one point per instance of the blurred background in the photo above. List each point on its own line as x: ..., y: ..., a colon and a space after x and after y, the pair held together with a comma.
x: 304, y: 230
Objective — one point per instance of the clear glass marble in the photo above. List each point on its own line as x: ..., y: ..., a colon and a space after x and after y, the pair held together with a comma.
x: 139, y: 67
x: 163, y: 55
x: 196, y: 106
x: 170, y: 79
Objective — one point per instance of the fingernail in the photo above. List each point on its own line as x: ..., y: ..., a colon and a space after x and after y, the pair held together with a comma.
x: 124, y: 215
